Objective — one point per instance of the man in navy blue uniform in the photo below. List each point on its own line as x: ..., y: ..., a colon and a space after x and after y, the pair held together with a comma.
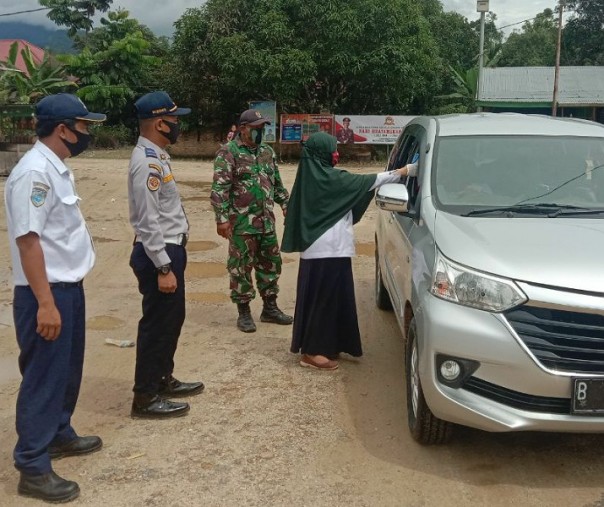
x: 52, y: 252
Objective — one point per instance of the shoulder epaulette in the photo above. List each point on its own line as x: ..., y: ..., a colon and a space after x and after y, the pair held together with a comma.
x: 150, y: 152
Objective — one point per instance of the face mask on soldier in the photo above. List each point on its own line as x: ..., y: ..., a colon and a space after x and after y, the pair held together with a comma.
x: 256, y: 135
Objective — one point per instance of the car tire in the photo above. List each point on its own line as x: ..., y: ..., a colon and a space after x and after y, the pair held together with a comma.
x: 382, y: 298
x: 424, y: 426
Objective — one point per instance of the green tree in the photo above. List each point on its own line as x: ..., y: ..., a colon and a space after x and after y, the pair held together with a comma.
x: 354, y: 56
x: 75, y: 14
x: 534, y: 45
x: 40, y: 79
x: 457, y: 39
x: 114, y: 66
x: 583, y: 39
x: 493, y: 37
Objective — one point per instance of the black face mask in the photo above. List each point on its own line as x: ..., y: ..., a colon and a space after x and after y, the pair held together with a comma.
x: 83, y: 141
x: 256, y: 135
x: 171, y: 136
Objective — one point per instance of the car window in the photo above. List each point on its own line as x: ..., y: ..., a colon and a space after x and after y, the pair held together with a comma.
x: 506, y: 170
x: 410, y: 154
x: 394, y: 155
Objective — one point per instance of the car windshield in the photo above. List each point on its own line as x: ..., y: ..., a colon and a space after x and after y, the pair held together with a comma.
x: 560, y: 176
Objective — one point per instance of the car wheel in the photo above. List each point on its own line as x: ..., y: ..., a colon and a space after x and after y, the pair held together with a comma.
x: 424, y: 426
x: 382, y: 299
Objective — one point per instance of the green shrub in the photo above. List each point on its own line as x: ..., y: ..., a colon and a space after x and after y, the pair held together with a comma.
x: 111, y: 136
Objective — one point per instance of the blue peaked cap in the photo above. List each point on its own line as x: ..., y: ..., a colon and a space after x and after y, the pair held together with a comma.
x: 156, y: 104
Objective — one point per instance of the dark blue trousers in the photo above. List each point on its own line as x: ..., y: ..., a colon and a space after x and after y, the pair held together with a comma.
x: 163, y: 317
x: 52, y: 374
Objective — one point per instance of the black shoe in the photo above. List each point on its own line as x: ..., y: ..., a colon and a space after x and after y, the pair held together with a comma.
x: 245, y: 322
x: 48, y: 487
x: 271, y: 313
x: 78, y: 446
x: 175, y: 388
x: 154, y: 407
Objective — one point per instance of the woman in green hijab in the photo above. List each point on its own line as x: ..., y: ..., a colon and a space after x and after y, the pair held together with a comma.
x: 324, y: 204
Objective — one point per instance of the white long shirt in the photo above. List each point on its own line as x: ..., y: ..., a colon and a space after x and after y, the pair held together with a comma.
x: 338, y: 241
x: 40, y: 197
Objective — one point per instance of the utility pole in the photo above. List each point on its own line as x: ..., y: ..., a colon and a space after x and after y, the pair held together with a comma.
x: 482, y: 6
x: 557, y: 69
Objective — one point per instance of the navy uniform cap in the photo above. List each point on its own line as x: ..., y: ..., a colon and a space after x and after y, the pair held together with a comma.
x: 156, y: 104
x: 65, y: 106
x: 253, y: 118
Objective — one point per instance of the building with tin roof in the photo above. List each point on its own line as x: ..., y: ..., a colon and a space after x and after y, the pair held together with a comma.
x: 5, y: 45
x: 531, y: 90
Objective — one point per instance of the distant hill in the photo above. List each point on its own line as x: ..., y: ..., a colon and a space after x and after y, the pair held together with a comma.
x: 56, y: 41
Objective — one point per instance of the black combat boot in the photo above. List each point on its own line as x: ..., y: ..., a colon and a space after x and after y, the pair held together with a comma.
x: 48, y: 487
x: 245, y: 322
x: 271, y: 312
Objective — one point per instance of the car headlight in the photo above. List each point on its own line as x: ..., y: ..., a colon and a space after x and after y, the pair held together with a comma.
x: 467, y: 287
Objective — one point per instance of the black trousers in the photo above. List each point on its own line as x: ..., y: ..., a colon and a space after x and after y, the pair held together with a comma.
x: 162, y: 320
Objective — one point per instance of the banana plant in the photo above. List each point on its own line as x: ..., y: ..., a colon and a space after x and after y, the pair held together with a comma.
x: 37, y: 80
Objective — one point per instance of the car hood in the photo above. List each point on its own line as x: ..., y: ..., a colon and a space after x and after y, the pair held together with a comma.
x: 560, y: 252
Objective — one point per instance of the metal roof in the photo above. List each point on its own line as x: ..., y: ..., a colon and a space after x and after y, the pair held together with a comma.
x: 489, y: 124
x: 578, y: 86
x: 36, y: 52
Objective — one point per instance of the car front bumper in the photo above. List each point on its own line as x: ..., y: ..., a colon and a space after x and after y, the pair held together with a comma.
x: 509, y: 391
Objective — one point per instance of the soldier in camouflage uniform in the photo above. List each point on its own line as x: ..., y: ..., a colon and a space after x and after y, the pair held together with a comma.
x: 246, y: 185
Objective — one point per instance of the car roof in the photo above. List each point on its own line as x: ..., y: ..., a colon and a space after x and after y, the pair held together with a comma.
x: 480, y: 124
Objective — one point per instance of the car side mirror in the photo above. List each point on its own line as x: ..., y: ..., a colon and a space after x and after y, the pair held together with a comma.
x: 393, y: 197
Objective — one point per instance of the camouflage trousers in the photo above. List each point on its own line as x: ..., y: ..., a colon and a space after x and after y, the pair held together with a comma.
x: 259, y: 252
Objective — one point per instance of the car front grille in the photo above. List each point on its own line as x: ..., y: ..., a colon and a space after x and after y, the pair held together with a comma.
x: 561, y: 340
x: 516, y: 399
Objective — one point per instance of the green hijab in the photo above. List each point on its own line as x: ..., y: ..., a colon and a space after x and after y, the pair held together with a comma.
x: 322, y: 195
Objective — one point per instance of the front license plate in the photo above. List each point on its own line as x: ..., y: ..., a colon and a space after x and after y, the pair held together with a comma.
x: 588, y: 396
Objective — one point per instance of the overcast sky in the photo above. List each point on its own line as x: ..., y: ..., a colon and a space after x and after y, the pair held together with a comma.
x: 160, y: 15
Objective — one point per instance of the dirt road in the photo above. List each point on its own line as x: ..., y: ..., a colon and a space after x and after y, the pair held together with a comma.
x: 266, y: 432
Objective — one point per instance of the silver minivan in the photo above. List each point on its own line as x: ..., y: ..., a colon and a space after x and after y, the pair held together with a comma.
x: 492, y: 259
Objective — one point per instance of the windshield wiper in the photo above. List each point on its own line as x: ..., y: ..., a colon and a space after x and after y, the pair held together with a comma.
x: 539, y: 209
x: 576, y: 211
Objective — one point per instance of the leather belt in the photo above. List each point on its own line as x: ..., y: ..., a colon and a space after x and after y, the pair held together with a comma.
x: 179, y: 239
x: 66, y: 285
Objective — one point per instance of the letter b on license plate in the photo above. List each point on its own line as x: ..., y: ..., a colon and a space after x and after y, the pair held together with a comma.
x: 588, y: 396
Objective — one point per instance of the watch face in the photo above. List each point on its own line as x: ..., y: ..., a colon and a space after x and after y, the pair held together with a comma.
x: 164, y: 270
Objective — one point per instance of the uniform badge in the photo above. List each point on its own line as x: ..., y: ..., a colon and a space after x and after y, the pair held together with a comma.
x: 150, y: 152
x: 153, y: 182
x: 157, y: 167
x: 38, y: 195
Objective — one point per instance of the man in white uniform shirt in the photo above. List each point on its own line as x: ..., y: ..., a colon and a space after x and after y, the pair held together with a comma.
x: 52, y: 252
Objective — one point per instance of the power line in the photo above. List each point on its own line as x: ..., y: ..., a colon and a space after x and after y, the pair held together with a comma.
x: 517, y: 23
x: 24, y: 12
